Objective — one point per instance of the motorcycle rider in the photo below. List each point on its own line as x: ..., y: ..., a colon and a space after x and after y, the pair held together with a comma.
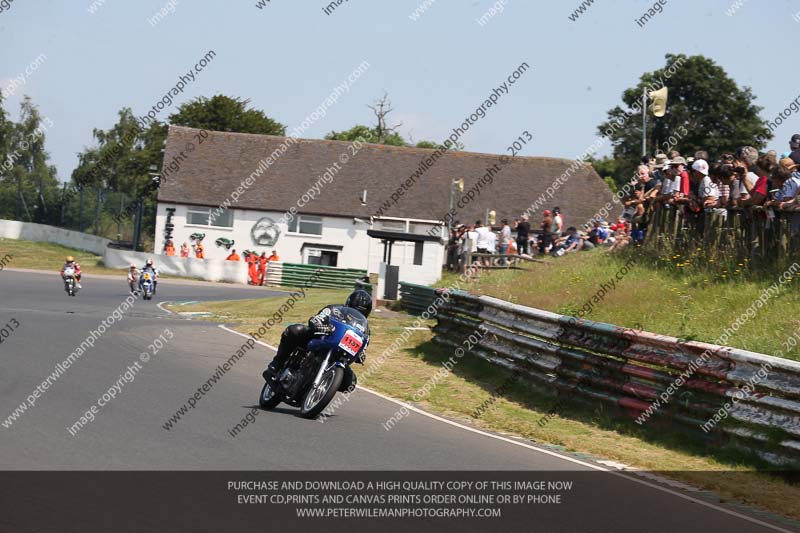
x: 70, y: 262
x: 148, y: 267
x: 298, y: 335
x: 133, y: 277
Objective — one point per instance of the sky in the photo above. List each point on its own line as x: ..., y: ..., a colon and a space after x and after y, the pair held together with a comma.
x: 289, y: 55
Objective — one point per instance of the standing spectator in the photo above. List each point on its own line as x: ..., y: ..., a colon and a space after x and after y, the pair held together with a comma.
x: 483, y: 237
x: 547, y: 232
x: 758, y: 192
x: 199, y: 250
x: 558, y: 222
x: 505, y: 238
x: 523, y: 228
x: 722, y: 175
x: 681, y: 184
x: 787, y: 180
x: 169, y: 249
x: 185, y: 250
x: 233, y: 256
x: 744, y: 165
x: 794, y: 147
x: 707, y: 191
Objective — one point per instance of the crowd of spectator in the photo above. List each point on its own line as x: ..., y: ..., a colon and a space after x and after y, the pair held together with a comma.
x: 694, y: 184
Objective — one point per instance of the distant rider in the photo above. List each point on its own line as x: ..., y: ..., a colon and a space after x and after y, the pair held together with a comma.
x: 70, y: 262
x: 298, y: 335
x: 133, y: 277
x: 148, y: 267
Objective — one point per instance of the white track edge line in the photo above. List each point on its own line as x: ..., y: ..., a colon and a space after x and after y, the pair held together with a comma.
x: 548, y: 452
x: 159, y: 304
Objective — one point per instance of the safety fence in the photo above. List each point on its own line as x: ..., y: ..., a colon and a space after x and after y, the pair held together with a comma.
x: 29, y: 231
x: 761, y: 235
x: 661, y: 382
x: 415, y: 298
x: 299, y: 275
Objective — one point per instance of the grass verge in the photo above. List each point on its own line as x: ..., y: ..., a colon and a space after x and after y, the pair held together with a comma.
x: 474, y: 385
x: 690, y: 305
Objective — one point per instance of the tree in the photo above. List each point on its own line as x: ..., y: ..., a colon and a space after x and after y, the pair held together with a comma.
x: 706, y: 111
x: 28, y: 187
x: 381, y: 133
x: 225, y: 113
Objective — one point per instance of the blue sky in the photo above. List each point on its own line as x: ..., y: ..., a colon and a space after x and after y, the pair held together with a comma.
x: 288, y: 56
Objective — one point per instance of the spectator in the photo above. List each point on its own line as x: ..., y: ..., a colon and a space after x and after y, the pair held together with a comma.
x: 722, y: 175
x: 558, y: 222
x: 233, y: 256
x: 701, y: 154
x: 794, y: 147
x: 505, y: 238
x: 169, y: 249
x: 757, y: 194
x: 708, y: 191
x: 523, y: 228
x: 483, y: 237
x: 744, y: 165
x: 787, y: 180
x: 185, y: 250
x: 681, y: 184
x: 547, y: 232
x: 570, y: 242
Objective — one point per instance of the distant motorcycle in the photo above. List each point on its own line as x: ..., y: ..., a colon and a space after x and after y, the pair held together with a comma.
x: 147, y: 286
x: 313, y: 374
x: 70, y: 283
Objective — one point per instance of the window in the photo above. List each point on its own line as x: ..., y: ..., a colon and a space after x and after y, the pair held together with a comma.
x: 306, y: 224
x: 322, y: 257
x: 418, y: 248
x: 206, y: 216
x: 393, y: 225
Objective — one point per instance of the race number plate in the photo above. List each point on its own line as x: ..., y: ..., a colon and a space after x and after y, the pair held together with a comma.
x: 69, y: 271
x: 351, y: 343
x: 147, y: 276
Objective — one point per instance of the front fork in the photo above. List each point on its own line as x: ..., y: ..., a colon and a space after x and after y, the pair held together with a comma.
x: 322, y: 368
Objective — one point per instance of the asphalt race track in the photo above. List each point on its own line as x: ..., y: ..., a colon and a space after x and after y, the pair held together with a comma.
x: 128, y: 433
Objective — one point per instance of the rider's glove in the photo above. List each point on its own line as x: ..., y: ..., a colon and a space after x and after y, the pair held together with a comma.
x: 321, y: 325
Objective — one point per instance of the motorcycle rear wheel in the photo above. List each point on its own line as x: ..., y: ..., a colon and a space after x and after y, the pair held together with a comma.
x: 317, y: 399
x: 269, y: 398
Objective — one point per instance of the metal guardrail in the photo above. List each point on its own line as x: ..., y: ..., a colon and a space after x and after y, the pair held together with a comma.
x: 630, y: 369
x: 416, y: 298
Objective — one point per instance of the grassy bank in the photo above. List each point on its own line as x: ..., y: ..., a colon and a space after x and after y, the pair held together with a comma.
x: 667, y: 299
x: 481, y: 395
x: 46, y: 256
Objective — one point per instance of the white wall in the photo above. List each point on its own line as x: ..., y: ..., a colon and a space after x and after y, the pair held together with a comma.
x: 336, y: 231
x: 358, y: 249
x: 29, y: 231
x: 207, y: 269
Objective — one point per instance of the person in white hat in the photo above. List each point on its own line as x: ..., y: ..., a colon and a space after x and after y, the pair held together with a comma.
x: 708, y: 191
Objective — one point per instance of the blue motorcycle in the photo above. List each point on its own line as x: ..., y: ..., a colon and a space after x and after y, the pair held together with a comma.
x: 312, y: 375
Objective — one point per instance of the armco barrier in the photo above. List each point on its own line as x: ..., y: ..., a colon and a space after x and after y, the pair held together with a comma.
x: 207, y: 269
x: 629, y: 369
x: 415, y: 298
x: 297, y: 275
x: 29, y: 231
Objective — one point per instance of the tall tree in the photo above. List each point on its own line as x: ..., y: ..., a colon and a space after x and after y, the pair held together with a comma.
x: 381, y: 132
x: 225, y: 113
x: 707, y: 110
x: 29, y: 184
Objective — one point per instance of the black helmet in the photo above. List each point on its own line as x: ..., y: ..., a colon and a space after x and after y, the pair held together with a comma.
x: 361, y: 301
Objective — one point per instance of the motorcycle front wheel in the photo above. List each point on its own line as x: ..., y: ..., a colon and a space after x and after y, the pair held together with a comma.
x: 269, y: 398
x: 318, y: 398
